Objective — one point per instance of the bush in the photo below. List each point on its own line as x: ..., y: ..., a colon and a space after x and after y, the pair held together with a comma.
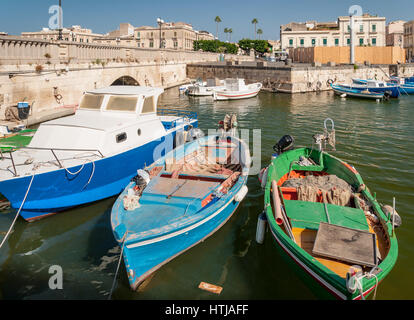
x: 215, y: 46
x: 261, y: 46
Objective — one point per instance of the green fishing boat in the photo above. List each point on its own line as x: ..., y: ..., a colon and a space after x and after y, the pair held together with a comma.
x: 324, y: 218
x: 17, y: 140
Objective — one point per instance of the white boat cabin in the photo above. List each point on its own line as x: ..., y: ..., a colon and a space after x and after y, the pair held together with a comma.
x: 110, y: 120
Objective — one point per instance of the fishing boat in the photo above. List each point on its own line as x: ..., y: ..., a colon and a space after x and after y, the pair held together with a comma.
x: 93, y: 154
x: 184, y: 88
x: 345, y: 91
x: 201, y: 90
x: 406, y: 84
x: 13, y: 141
x: 391, y: 90
x: 324, y: 218
x: 236, y: 89
x: 179, y: 201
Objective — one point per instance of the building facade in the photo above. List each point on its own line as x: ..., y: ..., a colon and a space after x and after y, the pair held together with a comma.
x: 395, y: 34
x: 73, y: 34
x: 409, y: 40
x: 178, y: 35
x: 369, y: 31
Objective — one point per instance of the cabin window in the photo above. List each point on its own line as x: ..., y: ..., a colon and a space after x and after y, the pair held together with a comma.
x: 122, y: 103
x: 149, y: 105
x: 91, y: 101
x: 139, y: 132
x: 121, y: 137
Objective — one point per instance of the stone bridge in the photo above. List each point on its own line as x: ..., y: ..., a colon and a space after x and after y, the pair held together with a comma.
x: 52, y: 75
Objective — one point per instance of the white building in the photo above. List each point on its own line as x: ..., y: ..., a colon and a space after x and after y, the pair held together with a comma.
x: 370, y: 31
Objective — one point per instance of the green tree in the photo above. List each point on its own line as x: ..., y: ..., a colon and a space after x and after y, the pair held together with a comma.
x: 259, y: 32
x: 217, y: 20
x: 260, y: 46
x: 255, y: 22
x: 226, y: 31
x: 230, y: 31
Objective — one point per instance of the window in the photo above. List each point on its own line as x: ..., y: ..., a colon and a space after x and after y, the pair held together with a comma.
x: 374, y: 41
x: 349, y: 28
x: 121, y: 137
x: 139, y: 45
x: 348, y: 41
x: 122, y: 103
x: 361, y: 28
x: 361, y: 41
x: 139, y: 35
x: 313, y: 42
x: 302, y: 42
x: 336, y: 42
x: 291, y: 42
x: 325, y: 42
x: 151, y: 44
x: 175, y: 44
x: 149, y: 105
x: 91, y: 101
x: 175, y: 34
x: 374, y: 28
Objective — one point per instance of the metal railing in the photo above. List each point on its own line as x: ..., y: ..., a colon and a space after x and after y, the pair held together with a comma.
x: 14, y: 172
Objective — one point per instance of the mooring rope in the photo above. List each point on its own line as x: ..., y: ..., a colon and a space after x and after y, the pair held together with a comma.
x: 18, y: 213
x: 119, y: 264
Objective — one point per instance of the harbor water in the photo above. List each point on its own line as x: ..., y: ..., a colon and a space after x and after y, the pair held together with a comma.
x: 375, y: 137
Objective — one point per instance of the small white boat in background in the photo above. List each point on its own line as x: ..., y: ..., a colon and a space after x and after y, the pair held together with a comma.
x: 236, y: 89
x: 201, y: 90
x: 184, y: 88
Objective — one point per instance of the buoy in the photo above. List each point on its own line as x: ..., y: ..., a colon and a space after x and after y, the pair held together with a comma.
x: 353, y: 279
x: 388, y: 210
x: 263, y: 177
x: 261, y: 228
x: 241, y: 194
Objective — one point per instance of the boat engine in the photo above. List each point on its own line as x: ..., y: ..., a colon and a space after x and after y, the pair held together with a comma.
x: 285, y: 144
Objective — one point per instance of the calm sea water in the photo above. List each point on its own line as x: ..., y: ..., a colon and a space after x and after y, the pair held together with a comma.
x: 377, y: 138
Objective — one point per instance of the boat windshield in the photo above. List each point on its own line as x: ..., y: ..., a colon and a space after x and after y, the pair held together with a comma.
x: 91, y: 101
x: 124, y: 103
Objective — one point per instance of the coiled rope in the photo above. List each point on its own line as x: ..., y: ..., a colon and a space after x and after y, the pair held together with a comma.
x: 18, y: 213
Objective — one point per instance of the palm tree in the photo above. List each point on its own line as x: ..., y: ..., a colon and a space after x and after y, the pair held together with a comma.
x: 255, y: 22
x: 259, y: 32
x: 217, y: 20
x: 226, y: 30
x: 230, y: 31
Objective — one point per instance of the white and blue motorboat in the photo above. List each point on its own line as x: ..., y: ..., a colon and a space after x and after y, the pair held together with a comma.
x: 93, y: 154
x: 178, y: 202
x: 345, y: 91
x: 406, y: 84
x: 391, y: 90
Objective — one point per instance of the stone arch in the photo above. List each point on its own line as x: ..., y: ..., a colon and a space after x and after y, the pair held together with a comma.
x: 125, y: 81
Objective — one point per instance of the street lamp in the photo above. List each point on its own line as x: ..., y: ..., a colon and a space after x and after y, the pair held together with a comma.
x: 60, y: 37
x: 160, y: 23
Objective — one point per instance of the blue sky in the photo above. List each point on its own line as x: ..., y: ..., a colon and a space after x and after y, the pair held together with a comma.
x: 102, y: 16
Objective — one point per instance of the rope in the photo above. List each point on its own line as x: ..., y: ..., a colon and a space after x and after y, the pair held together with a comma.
x: 119, y: 264
x: 18, y: 213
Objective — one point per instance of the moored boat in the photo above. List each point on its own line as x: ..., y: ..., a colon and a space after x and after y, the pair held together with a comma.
x: 323, y: 217
x: 87, y: 157
x: 236, y: 89
x: 391, y: 90
x: 14, y: 141
x: 345, y: 91
x: 204, y: 90
x: 179, y: 201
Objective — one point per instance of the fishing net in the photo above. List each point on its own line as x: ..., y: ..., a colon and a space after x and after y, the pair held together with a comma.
x: 334, y: 190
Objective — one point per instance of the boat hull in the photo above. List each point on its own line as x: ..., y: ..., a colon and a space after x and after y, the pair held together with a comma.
x: 58, y: 190
x: 340, y: 90
x: 141, y: 260
x: 236, y: 95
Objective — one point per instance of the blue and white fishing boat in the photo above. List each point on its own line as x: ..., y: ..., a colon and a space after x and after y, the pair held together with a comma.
x: 406, y: 84
x: 391, y: 90
x: 179, y: 201
x: 93, y: 154
x: 345, y: 91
